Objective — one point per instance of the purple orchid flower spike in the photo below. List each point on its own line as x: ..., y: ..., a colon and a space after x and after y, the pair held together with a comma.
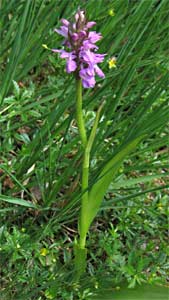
x: 82, y: 57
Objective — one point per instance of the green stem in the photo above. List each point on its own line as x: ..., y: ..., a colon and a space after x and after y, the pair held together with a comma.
x: 85, y: 180
x: 85, y: 167
x: 80, y: 250
x: 79, y: 113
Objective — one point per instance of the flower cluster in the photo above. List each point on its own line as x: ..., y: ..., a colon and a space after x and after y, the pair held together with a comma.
x: 82, y: 57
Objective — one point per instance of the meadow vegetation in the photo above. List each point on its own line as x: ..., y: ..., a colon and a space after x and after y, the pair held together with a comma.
x: 41, y: 155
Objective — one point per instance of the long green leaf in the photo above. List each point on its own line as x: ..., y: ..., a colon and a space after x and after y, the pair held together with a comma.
x: 99, y: 189
x: 17, y: 201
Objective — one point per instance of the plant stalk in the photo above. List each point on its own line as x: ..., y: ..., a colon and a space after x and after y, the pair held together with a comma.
x: 85, y: 166
x: 80, y: 247
x: 79, y: 113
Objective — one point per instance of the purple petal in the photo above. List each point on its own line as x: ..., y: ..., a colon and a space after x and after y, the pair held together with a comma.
x: 70, y: 65
x: 87, y: 76
x: 86, y: 72
x: 99, y: 71
x: 70, y: 62
x: 90, y: 24
x: 99, y: 57
x: 87, y: 56
x: 62, y: 31
x: 74, y: 36
x: 90, y: 57
x: 94, y: 36
x: 82, y: 33
x: 56, y: 50
x: 88, y: 45
x: 65, y: 54
x: 88, y: 83
x: 65, y: 22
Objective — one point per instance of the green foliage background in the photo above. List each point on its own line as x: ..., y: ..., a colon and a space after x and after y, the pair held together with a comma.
x: 40, y: 154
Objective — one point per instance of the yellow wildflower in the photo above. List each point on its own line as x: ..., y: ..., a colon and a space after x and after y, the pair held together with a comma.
x: 44, y: 252
x: 112, y: 62
x: 111, y: 12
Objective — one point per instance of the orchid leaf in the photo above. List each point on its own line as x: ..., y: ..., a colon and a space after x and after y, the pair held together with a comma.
x: 107, y: 174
